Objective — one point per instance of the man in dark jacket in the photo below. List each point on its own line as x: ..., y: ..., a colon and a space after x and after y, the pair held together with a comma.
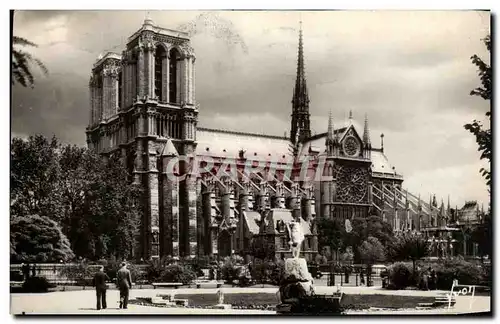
x: 124, y: 283
x: 100, y: 287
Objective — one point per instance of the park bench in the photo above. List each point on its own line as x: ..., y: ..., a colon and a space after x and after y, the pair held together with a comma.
x: 167, y: 284
x: 199, y: 283
x: 16, y: 283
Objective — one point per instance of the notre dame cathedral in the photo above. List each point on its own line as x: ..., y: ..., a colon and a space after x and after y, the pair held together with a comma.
x: 143, y: 105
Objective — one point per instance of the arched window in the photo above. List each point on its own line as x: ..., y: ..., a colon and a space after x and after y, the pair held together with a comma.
x: 172, y: 86
x: 99, y: 97
x: 159, y: 56
x: 120, y: 90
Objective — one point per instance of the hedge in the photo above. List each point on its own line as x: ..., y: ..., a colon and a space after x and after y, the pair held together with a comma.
x: 401, y: 274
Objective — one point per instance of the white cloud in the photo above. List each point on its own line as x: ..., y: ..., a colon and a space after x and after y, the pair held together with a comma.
x: 461, y: 182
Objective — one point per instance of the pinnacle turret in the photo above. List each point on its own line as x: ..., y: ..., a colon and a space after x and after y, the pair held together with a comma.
x: 366, y: 133
x: 331, y: 130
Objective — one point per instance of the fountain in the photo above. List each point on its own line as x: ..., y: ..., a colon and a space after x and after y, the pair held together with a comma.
x: 296, y: 292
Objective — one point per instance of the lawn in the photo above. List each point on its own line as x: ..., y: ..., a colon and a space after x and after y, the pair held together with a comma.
x: 360, y: 301
x: 236, y: 299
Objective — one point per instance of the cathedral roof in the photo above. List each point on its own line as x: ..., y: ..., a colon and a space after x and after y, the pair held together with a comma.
x: 222, y: 143
x: 380, y: 162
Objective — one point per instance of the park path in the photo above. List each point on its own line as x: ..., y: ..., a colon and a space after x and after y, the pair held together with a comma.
x: 83, y: 302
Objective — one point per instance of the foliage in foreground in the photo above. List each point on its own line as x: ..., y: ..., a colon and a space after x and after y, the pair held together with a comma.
x: 481, y: 132
x: 401, y: 275
x: 22, y: 63
x: 409, y: 247
x: 39, y: 239
x: 36, y: 285
x: 89, y: 197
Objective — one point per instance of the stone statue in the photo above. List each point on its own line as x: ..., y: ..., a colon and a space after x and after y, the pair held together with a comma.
x: 220, y: 297
x: 296, y: 237
x: 296, y: 293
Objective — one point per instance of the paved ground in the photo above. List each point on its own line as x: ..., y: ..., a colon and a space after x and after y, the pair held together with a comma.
x: 83, y: 302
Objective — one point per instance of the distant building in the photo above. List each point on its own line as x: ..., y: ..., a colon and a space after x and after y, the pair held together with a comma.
x: 450, y: 230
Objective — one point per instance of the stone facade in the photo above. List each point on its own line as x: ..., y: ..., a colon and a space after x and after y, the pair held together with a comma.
x: 143, y: 105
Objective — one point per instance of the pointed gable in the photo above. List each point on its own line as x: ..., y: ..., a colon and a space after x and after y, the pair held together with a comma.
x: 350, y: 131
x: 169, y: 149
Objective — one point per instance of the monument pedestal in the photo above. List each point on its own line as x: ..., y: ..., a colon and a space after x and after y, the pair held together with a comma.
x: 297, y: 294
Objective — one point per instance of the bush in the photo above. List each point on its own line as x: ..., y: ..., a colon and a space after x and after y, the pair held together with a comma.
x: 244, y: 276
x: 37, y: 285
x: 38, y: 239
x: 231, y: 268
x: 399, y: 275
x: 466, y: 273
x: 259, y: 272
x: 82, y: 274
x: 178, y: 273
x: 16, y: 276
x: 268, y: 272
x: 277, y: 271
x: 487, y: 279
x: 198, y: 269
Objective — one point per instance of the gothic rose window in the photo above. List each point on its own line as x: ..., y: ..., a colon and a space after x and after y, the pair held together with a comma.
x: 351, y: 146
x: 352, y: 184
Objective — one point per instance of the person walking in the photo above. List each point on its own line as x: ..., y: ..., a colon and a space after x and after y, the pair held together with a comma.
x: 100, y: 279
x: 432, y: 279
x: 33, y: 270
x: 124, y: 283
x: 26, y: 271
x: 361, y: 277
x: 425, y: 279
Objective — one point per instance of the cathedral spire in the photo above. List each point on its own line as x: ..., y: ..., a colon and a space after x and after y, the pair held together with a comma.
x: 366, y: 133
x: 300, y: 101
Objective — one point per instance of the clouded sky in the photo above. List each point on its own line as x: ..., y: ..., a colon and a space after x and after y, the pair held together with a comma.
x: 409, y: 71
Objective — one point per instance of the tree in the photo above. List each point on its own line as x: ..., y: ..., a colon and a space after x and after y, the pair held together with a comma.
x: 261, y: 248
x: 36, y: 238
x: 348, y: 255
x: 103, y: 207
x: 409, y: 247
x: 483, y: 235
x: 373, y: 226
x: 483, y: 134
x: 371, y: 251
x: 34, y: 177
x: 89, y: 197
x: 331, y: 234
x: 22, y: 62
